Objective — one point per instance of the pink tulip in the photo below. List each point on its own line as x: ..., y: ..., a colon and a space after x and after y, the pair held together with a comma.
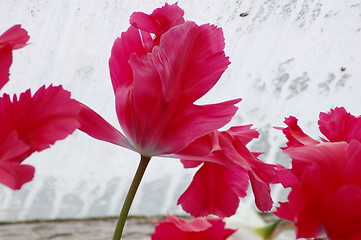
x: 196, y: 229
x: 29, y: 123
x: 325, y: 178
x: 159, y: 67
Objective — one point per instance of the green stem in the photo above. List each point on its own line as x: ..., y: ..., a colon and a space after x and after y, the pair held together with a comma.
x: 130, y: 196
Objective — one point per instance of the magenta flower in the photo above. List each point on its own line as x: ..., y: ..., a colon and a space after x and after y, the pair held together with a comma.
x: 228, y: 167
x: 325, y: 180
x: 29, y: 123
x: 196, y: 229
x: 156, y: 81
x: 159, y: 67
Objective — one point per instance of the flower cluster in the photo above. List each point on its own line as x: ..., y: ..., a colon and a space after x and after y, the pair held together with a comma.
x: 325, y: 177
x: 159, y: 67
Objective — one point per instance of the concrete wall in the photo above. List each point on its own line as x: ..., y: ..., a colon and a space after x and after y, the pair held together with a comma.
x: 286, y: 59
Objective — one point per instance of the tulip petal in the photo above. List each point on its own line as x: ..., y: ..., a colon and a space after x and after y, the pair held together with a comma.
x: 294, y: 134
x: 50, y: 115
x: 262, y: 192
x: 168, y: 16
x: 195, y: 225
x: 284, y: 211
x: 199, y: 228
x: 339, y: 125
x: 145, y: 22
x: 190, y: 60
x: 38, y: 121
x: 15, y: 175
x: 14, y: 38
x: 94, y: 125
x: 215, y: 189
x: 353, y: 167
x: 5, y: 60
x: 130, y: 43
x: 11, y: 147
x: 344, y: 222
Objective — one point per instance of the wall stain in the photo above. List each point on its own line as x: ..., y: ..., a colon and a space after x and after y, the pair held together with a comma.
x: 100, y: 206
x: 342, y: 81
x: 288, y: 8
x: 282, y: 78
x: 43, y: 203
x: 298, y: 85
x: 324, y: 87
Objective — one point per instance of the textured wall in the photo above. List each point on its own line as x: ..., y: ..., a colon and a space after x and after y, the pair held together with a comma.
x: 286, y: 59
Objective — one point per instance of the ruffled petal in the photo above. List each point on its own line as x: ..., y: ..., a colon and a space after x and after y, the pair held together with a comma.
x: 294, y: 134
x: 36, y: 121
x: 339, y: 125
x: 168, y: 16
x: 46, y: 117
x: 160, y: 21
x: 215, y: 189
x: 225, y: 151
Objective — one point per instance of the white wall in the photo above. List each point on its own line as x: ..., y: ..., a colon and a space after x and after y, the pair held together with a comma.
x: 286, y: 60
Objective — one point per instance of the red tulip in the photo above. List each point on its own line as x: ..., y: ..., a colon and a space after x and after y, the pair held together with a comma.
x: 196, y: 229
x: 325, y: 178
x: 159, y: 67
x: 29, y: 123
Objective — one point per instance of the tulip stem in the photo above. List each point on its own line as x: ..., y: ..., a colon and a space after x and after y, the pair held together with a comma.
x: 130, y: 196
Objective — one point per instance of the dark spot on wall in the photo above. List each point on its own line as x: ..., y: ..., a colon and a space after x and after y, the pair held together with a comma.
x: 298, y: 85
